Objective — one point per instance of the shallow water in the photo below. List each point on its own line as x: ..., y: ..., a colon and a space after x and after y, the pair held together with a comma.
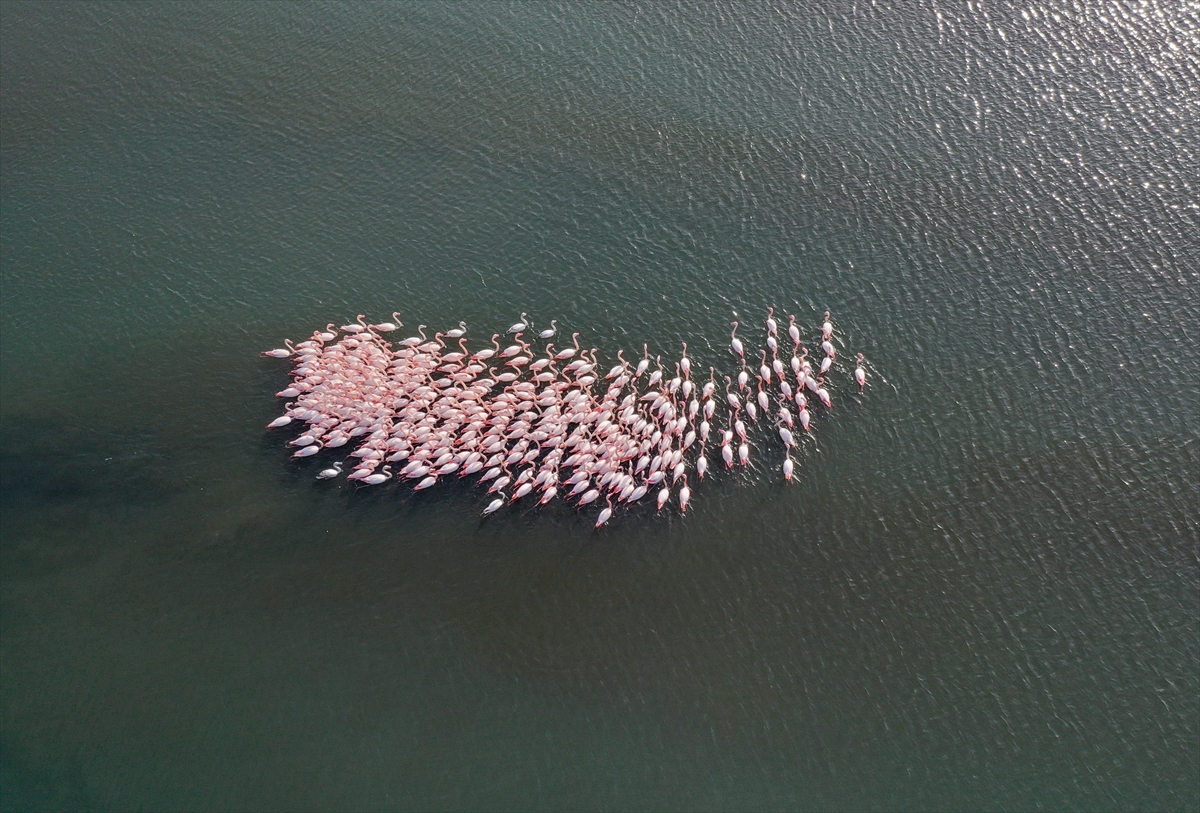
x: 980, y: 593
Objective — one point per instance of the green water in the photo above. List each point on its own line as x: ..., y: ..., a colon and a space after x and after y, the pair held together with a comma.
x: 980, y: 593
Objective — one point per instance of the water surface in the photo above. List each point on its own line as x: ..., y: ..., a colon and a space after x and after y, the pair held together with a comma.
x: 980, y: 593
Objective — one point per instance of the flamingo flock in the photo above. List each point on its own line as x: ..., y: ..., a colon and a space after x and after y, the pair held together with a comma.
x: 542, y: 423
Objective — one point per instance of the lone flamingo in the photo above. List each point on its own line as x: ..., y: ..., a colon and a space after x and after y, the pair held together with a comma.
x: 605, y: 513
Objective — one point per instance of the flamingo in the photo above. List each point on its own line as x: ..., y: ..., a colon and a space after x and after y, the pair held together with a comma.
x: 827, y: 327
x: 663, y: 496
x: 413, y: 341
x: 434, y: 413
x: 823, y: 394
x: 387, y: 327
x: 562, y: 355
x: 644, y: 363
x: 678, y: 472
x: 549, y: 332
x: 618, y: 369
x: 376, y: 479
x: 494, y: 506
x: 605, y: 513
x: 359, y: 328
x: 485, y: 354
x: 520, y: 326
x: 656, y: 376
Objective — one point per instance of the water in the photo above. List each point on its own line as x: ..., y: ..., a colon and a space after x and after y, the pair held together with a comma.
x: 980, y: 593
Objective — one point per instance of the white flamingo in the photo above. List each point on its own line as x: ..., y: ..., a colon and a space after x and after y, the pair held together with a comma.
x: 331, y: 472
x: 644, y: 363
x: 520, y: 326
x: 605, y: 513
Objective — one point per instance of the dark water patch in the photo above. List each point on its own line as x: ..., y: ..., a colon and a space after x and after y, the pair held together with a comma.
x: 27, y: 784
x: 52, y: 463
